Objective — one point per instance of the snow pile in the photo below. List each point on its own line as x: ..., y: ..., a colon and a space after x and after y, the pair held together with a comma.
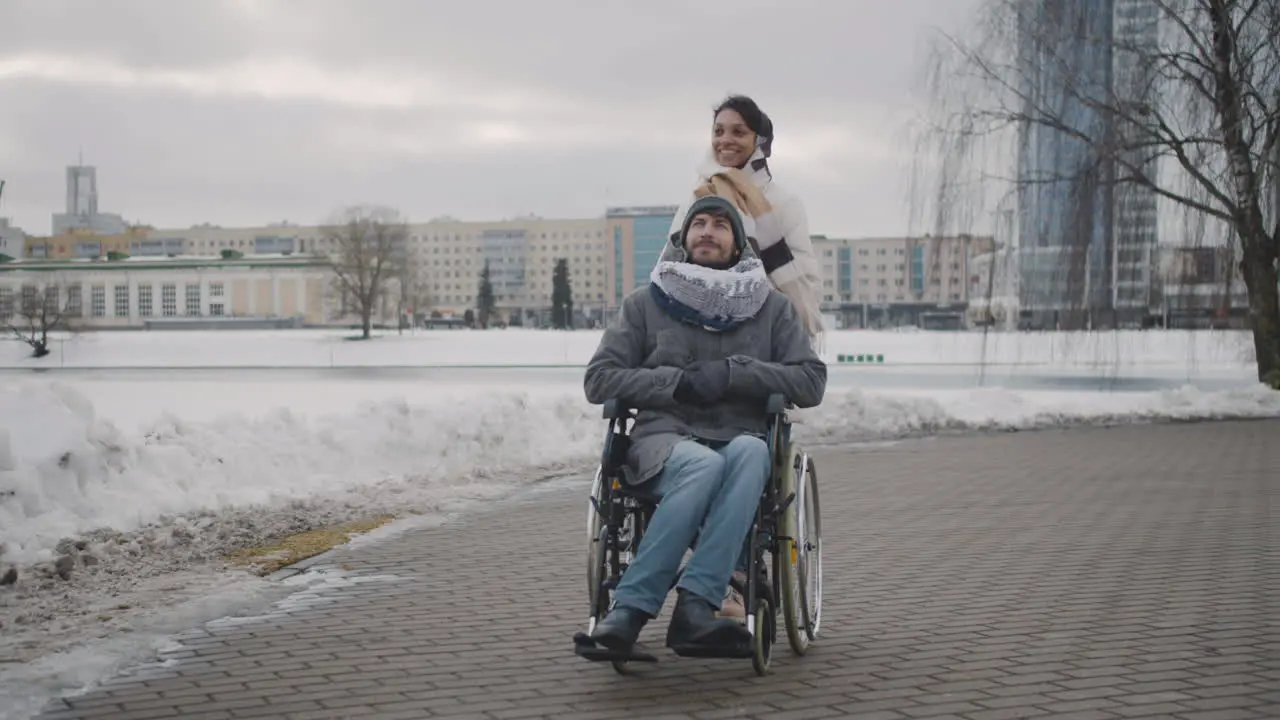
x: 856, y: 415
x: 69, y: 473
x: 65, y: 473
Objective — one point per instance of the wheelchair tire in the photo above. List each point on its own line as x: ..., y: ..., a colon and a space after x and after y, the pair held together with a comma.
x: 802, y: 556
x: 593, y: 531
x: 762, y: 640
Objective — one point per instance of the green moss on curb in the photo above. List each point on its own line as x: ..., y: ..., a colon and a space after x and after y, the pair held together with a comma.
x: 267, y: 559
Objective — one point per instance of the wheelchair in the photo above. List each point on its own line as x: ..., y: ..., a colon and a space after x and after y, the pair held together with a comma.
x: 785, y: 569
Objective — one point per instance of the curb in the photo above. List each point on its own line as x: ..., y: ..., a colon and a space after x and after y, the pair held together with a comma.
x: 298, y: 568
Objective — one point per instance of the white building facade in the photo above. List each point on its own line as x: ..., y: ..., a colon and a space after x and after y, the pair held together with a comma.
x: 133, y: 293
x: 889, y: 282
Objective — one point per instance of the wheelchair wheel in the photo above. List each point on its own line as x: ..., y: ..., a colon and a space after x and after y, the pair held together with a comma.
x: 764, y: 631
x: 802, y: 558
x: 612, y: 551
x: 593, y: 532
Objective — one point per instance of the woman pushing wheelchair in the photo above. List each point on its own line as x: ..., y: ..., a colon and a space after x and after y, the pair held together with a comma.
x: 698, y: 353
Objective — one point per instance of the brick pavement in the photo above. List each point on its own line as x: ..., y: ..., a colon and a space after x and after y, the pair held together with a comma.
x: 1098, y: 573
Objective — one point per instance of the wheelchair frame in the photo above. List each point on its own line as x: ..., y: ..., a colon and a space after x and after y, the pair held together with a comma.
x: 787, y: 528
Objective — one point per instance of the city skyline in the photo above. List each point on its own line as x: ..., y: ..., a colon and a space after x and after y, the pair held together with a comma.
x: 241, y: 113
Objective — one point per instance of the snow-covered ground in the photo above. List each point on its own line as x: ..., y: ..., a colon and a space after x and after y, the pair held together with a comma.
x: 135, y: 484
x: 70, y: 470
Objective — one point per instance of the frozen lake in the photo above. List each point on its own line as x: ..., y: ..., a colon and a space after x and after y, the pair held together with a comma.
x: 870, y: 377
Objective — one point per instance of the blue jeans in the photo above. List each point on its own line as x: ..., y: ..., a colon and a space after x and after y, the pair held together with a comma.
x: 711, y: 495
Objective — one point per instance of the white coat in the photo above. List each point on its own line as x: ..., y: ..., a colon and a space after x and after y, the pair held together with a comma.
x: 783, y: 239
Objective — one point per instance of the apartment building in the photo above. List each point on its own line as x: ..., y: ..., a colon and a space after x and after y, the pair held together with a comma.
x: 88, y: 244
x: 521, y: 254
x: 446, y: 256
x: 886, y: 282
x: 210, y: 240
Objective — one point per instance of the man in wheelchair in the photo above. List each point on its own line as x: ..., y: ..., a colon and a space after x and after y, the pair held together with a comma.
x: 697, y: 352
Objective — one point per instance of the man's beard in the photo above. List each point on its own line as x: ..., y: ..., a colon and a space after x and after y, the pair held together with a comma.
x: 717, y: 264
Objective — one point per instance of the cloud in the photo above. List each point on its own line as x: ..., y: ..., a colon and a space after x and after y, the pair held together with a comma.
x: 246, y: 111
x: 270, y: 78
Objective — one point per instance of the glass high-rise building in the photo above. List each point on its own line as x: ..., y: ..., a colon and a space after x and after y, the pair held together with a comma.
x: 1086, y: 242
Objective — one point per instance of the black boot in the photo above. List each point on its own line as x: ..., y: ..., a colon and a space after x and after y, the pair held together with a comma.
x: 620, y: 628
x: 696, y: 631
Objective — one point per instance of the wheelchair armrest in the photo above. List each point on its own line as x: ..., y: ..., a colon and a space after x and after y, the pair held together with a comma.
x: 777, y: 404
x: 615, y: 409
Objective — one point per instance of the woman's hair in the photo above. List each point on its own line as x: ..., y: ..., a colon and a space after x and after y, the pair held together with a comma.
x: 753, y: 116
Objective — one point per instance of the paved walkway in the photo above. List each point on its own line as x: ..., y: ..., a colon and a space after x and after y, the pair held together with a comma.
x: 1117, y: 573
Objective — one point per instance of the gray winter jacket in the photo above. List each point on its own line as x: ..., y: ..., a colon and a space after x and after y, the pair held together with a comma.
x: 640, y: 358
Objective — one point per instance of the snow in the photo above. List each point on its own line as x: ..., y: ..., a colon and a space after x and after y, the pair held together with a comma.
x: 157, y: 474
x: 69, y: 472
x: 72, y: 472
x: 1189, y: 350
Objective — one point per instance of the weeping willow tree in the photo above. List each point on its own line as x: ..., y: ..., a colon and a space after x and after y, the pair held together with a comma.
x: 1107, y: 124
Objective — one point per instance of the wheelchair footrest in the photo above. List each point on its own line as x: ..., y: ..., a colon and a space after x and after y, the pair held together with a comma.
x: 586, y: 648
x: 730, y: 640
x: 735, y: 651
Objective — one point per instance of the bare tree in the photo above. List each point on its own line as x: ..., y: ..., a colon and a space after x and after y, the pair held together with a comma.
x: 40, y: 308
x: 369, y: 243
x: 1113, y: 111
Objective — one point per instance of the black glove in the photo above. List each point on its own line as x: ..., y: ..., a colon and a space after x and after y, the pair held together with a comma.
x: 703, y: 383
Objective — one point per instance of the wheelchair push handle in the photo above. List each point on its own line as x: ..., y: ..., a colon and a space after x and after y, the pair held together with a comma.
x: 615, y: 409
x: 777, y: 404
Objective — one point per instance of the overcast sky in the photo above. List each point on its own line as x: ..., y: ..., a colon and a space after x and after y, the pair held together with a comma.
x: 244, y: 112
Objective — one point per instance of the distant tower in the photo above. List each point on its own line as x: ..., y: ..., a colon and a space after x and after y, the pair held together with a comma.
x: 82, y: 191
x: 81, y: 212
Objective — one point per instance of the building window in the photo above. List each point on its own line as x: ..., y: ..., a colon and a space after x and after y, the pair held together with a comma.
x: 168, y: 300
x: 844, y: 269
x: 193, y: 299
x: 216, y: 309
x: 917, y: 269
x: 98, y: 301
x: 6, y: 304
x: 144, y: 301
x: 75, y: 300
x: 52, y: 299
x: 122, y: 301
x: 215, y: 289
